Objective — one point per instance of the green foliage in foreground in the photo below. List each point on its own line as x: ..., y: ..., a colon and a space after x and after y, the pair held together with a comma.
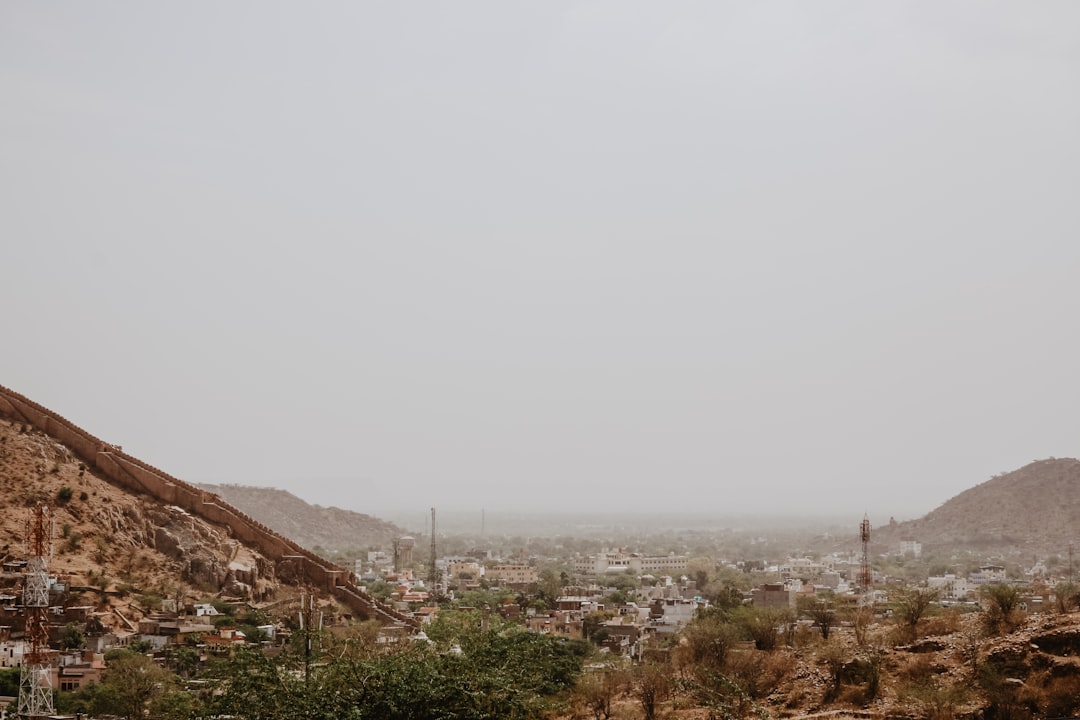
x: 510, y: 674
x: 470, y: 670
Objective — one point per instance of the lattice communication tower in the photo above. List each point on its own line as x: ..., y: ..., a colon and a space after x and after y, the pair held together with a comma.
x: 866, y: 572
x: 35, y: 682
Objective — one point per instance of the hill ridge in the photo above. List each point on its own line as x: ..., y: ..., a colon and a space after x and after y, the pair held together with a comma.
x: 1033, y: 509
x: 311, y: 525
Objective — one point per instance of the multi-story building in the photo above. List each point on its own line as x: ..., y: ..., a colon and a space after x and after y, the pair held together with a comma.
x: 779, y: 595
x: 618, y: 560
x: 988, y: 575
x: 511, y: 574
x: 911, y: 547
x: 460, y: 568
x: 951, y: 587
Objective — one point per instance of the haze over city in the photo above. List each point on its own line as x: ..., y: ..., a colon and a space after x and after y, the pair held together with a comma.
x: 774, y: 258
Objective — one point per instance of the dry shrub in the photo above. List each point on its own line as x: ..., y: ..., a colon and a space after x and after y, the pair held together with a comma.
x: 1006, y: 698
x: 805, y: 637
x: 1056, y: 696
x: 758, y: 673
x: 946, y: 623
x: 918, y: 670
x: 899, y: 635
x: 933, y: 698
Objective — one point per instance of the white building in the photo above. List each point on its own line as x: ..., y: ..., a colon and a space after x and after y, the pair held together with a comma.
x: 911, y: 547
x: 950, y: 586
x: 618, y: 560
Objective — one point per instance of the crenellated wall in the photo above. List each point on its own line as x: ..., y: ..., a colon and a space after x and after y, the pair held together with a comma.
x: 136, y: 476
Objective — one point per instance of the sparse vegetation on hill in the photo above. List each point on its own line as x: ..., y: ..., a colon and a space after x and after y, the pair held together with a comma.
x: 1035, y: 509
x: 312, y: 526
x: 112, y: 543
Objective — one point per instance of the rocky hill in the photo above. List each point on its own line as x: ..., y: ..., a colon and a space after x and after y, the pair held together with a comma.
x: 124, y: 527
x: 310, y: 525
x: 1033, y: 510
x: 113, y: 544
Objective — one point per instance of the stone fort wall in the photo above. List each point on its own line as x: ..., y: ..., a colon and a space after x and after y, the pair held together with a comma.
x: 132, y: 474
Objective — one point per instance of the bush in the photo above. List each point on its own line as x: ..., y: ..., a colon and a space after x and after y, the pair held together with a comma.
x: 946, y: 623
x: 1060, y: 697
x: 74, y: 541
x: 1003, y: 608
x: 934, y: 699
x: 64, y: 495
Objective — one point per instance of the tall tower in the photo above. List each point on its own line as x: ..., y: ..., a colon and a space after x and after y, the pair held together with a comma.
x: 433, y: 573
x: 866, y: 572
x: 35, y: 682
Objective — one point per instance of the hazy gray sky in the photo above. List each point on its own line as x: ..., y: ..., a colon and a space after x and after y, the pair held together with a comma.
x: 767, y: 257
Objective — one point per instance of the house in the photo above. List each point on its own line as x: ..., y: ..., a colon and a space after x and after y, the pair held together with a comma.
x: 11, y: 653
x: 221, y: 644
x: 988, y: 575
x: 778, y: 595
x: 951, y: 587
x: 669, y: 615
x: 464, y: 569
x: 205, y: 610
x: 621, y: 636
x: 427, y: 614
x: 79, y: 669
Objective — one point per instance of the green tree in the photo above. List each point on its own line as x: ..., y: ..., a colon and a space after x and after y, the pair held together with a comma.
x: 253, y: 686
x: 182, y: 660
x: 762, y: 624
x: 72, y: 637
x: 909, y: 606
x: 176, y: 705
x: 822, y: 610
x: 1066, y: 597
x: 1002, y: 612
x: 709, y: 638
x: 593, y: 623
x: 9, y: 681
x: 131, y: 682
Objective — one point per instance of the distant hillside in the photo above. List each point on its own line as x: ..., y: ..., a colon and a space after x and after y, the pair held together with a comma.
x: 1035, y: 509
x: 309, y: 525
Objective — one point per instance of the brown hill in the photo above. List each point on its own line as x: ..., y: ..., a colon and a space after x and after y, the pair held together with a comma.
x: 310, y: 525
x: 114, y: 544
x: 127, y: 527
x: 1033, y: 510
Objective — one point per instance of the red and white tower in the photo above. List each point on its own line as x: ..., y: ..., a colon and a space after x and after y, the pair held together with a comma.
x: 35, y: 683
x: 866, y: 572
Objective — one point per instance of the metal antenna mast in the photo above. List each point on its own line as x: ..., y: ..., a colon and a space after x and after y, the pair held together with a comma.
x: 433, y: 573
x: 310, y: 624
x: 35, y: 682
x: 866, y: 572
